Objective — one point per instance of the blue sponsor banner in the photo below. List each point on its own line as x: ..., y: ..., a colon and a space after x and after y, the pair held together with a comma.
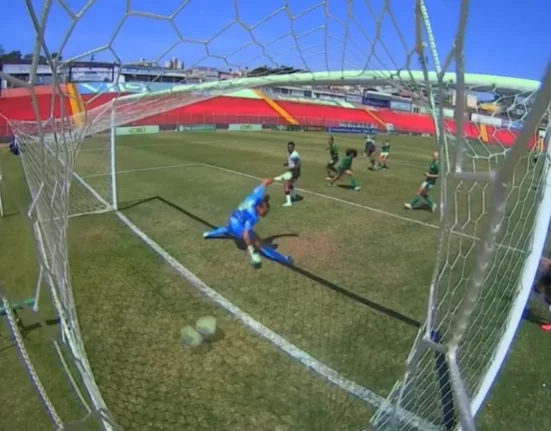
x: 353, y: 98
x: 513, y: 125
x: 356, y: 130
x: 379, y: 103
x: 400, y: 106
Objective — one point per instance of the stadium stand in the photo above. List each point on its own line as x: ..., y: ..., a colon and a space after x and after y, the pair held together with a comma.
x: 250, y: 108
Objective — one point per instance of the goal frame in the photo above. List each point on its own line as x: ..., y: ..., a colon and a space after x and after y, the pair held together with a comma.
x: 70, y: 331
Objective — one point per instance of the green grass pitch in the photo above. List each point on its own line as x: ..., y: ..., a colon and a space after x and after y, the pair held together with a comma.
x: 354, y: 303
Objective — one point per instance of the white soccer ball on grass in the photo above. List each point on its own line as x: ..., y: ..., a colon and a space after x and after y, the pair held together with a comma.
x: 206, y: 327
x: 190, y: 337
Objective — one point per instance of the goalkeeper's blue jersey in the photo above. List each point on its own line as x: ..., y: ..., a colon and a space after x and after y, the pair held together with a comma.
x: 246, y: 215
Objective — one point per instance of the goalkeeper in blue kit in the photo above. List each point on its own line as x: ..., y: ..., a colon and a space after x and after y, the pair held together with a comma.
x: 242, y: 222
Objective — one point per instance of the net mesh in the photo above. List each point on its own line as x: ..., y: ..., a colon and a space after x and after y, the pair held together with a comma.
x: 318, y: 43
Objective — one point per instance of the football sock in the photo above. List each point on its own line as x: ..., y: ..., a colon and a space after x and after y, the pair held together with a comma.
x: 288, y: 198
x: 415, y: 201
x: 429, y: 201
x: 293, y: 193
x: 353, y: 182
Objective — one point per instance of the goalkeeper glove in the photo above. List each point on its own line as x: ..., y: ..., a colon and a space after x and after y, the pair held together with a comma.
x: 255, y: 257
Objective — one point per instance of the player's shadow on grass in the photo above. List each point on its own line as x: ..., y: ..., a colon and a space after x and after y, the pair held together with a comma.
x: 355, y: 297
x: 533, y: 317
x: 240, y: 244
x: 346, y: 186
x: 301, y: 271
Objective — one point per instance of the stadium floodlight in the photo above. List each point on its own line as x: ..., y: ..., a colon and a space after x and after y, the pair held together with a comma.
x: 481, y: 282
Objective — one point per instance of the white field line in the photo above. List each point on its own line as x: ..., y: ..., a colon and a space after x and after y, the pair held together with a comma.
x: 306, y: 359
x: 153, y: 168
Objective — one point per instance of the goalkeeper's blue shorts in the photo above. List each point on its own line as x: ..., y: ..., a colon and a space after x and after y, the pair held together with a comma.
x: 237, y: 228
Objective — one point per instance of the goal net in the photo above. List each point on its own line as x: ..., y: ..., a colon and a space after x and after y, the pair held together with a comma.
x: 495, y: 201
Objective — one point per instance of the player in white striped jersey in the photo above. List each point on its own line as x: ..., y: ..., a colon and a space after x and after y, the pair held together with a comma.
x: 294, y: 164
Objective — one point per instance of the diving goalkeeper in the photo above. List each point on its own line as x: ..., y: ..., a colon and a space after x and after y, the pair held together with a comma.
x: 242, y: 222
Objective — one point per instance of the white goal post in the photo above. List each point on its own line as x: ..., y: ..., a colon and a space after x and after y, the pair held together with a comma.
x: 480, y: 284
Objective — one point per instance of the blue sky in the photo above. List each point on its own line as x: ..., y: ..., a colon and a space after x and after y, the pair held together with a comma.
x: 504, y: 37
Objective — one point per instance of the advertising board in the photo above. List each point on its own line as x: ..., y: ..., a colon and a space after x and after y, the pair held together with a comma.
x: 353, y: 98
x: 400, y: 106
x: 298, y: 128
x: 139, y: 130
x: 245, y: 127
x: 484, y: 119
x: 378, y: 103
x: 197, y: 128
x: 355, y: 130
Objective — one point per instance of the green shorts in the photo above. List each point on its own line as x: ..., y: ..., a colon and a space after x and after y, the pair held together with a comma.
x: 342, y: 169
x: 426, y: 186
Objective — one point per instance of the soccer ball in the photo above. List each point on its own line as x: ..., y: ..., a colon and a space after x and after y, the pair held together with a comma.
x: 206, y: 327
x: 190, y: 337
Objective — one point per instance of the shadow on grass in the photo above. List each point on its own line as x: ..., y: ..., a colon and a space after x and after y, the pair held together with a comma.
x: 303, y: 272
x: 534, y: 318
x: 26, y: 330
x: 12, y: 213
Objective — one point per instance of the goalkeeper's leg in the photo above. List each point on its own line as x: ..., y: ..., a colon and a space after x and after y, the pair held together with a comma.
x: 220, y: 232
x: 233, y: 229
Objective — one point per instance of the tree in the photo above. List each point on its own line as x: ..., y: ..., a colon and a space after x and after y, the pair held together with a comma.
x: 10, y: 56
x: 41, y: 59
x: 265, y: 70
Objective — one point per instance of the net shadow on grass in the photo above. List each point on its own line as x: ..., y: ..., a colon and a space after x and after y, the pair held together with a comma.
x: 301, y: 271
x: 25, y: 331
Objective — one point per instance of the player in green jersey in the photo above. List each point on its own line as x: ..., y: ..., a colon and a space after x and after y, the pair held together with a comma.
x: 430, y: 180
x: 334, y: 158
x: 345, y: 168
x: 385, y: 153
